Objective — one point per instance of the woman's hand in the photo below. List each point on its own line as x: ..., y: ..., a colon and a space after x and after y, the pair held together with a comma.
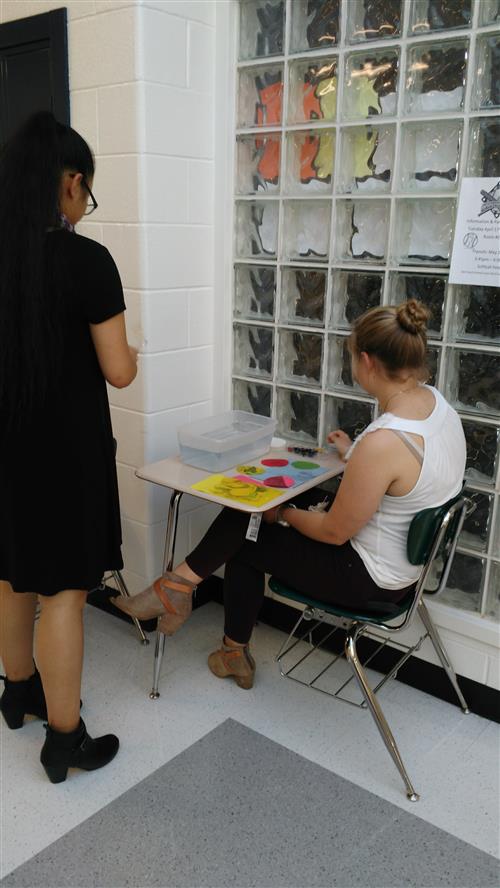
x: 341, y: 441
x: 271, y: 515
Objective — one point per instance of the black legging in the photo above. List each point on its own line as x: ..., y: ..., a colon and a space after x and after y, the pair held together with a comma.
x: 322, y: 571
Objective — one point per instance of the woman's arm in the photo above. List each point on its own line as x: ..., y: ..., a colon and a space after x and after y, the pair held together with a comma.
x: 117, y: 359
x: 373, y: 466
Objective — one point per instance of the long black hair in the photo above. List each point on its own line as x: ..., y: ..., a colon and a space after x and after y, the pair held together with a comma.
x: 31, y: 166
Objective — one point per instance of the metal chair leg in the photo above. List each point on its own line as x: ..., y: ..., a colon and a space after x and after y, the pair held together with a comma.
x: 441, y: 652
x: 168, y: 564
x: 122, y: 586
x: 376, y: 711
x: 159, y: 651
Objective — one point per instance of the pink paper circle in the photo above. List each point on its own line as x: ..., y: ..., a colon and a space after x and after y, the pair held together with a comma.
x: 274, y: 462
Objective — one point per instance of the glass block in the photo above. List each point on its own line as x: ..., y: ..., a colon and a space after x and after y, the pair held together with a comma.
x: 298, y: 415
x: 252, y: 397
x: 373, y: 20
x: 310, y: 160
x: 258, y: 163
x: 433, y: 358
x: 489, y: 12
x: 256, y: 229
x: 255, y: 292
x: 351, y: 416
x: 354, y: 293
x: 487, y: 81
x: 476, y: 316
x: 484, y: 147
x: 361, y: 230
x: 435, y: 79
x: 312, y: 90
x: 429, y: 155
x: 370, y: 85
x: 429, y: 289
x: 253, y: 351
x: 260, y: 95
x: 339, y: 373
x: 423, y: 231
x: 367, y: 158
x: 262, y: 26
x: 495, y: 535
x: 477, y: 527
x: 303, y: 296
x: 473, y: 381
x: 465, y: 583
x: 307, y: 229
x: 493, y: 597
x: 300, y: 358
x: 439, y: 15
x: 315, y: 24
x: 483, y: 448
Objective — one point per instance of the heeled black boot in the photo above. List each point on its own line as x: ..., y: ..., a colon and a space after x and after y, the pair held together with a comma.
x: 75, y: 750
x: 22, y: 698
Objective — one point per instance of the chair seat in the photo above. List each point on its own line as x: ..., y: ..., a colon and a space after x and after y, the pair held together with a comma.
x: 380, y: 613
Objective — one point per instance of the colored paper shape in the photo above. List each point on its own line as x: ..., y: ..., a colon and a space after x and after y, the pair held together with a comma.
x: 304, y: 464
x: 274, y: 462
x: 279, y: 481
x: 250, y: 470
x: 233, y: 490
x: 248, y: 480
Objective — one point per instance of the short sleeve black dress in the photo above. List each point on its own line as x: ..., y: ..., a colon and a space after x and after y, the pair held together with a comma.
x: 59, y: 513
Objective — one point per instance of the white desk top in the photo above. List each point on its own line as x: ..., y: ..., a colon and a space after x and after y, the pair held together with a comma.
x: 177, y: 475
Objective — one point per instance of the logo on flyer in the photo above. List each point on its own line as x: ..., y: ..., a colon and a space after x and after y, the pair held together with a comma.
x: 490, y: 201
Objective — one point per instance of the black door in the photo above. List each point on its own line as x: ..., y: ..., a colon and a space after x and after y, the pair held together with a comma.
x: 33, y: 69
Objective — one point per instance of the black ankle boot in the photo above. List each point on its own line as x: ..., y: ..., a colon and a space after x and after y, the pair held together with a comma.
x: 75, y: 750
x: 22, y: 698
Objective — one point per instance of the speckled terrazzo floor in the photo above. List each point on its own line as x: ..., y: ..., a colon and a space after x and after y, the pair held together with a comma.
x: 238, y: 809
x: 326, y: 773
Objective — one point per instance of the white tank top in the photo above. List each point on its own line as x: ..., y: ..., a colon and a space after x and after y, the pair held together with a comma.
x: 381, y: 543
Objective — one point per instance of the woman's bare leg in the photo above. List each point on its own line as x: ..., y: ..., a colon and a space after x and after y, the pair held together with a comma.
x: 17, y: 619
x: 182, y: 570
x: 59, y: 649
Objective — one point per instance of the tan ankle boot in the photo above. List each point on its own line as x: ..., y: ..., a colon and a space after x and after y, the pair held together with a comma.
x: 169, y: 597
x: 236, y: 663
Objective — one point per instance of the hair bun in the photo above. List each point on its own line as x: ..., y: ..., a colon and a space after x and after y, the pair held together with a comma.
x: 413, y: 316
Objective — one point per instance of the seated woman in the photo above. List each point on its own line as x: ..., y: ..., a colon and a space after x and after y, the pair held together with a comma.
x: 411, y: 458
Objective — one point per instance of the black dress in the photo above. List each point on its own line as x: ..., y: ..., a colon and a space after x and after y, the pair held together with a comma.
x: 59, y: 507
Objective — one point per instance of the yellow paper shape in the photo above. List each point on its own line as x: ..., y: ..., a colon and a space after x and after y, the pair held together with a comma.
x: 250, y: 470
x: 236, y: 491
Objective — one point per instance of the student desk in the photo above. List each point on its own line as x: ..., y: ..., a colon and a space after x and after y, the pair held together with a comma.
x: 179, y: 478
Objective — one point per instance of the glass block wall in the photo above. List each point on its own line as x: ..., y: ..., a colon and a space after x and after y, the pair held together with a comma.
x: 356, y: 120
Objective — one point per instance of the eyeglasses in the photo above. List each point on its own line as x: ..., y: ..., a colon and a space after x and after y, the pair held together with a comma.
x: 92, y: 205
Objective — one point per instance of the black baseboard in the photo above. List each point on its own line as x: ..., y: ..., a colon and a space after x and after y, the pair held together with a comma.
x: 418, y: 673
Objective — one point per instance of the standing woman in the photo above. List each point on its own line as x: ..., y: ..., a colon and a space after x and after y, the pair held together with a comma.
x: 62, y: 335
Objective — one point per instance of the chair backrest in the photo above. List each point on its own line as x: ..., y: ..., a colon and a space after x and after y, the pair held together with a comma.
x: 423, y: 529
x: 433, y: 531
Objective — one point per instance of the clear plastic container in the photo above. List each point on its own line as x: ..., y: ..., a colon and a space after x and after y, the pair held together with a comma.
x: 222, y: 441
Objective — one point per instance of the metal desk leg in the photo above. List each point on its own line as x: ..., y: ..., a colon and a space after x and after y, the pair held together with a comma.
x: 168, y: 564
x: 122, y: 586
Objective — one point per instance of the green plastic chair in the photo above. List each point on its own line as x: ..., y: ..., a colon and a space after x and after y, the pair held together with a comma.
x: 433, y: 532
